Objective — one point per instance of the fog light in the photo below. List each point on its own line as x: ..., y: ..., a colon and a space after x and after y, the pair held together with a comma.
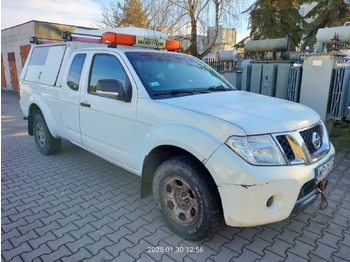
x: 269, y: 202
x: 274, y: 202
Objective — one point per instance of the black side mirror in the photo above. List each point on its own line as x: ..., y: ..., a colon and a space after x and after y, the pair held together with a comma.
x: 113, y: 88
x: 110, y: 88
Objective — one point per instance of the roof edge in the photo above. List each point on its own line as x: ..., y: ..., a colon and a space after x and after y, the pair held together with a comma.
x: 45, y: 22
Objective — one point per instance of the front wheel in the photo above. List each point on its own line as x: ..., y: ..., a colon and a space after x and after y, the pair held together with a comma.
x: 44, y: 141
x: 187, y: 198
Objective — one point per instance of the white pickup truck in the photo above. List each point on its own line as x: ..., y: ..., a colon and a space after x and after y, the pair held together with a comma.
x: 205, y: 150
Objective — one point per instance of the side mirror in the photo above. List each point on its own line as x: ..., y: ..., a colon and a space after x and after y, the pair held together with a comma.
x: 110, y: 88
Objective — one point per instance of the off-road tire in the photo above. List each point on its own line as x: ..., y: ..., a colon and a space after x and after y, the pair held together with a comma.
x: 44, y: 141
x: 187, y: 197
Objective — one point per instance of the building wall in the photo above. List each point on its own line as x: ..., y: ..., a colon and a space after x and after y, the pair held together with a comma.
x: 15, y: 37
x: 11, y: 40
x: 225, y: 41
x: 229, y: 36
x: 52, y: 31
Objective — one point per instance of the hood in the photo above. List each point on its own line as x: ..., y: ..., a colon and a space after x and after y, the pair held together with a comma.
x: 255, y: 114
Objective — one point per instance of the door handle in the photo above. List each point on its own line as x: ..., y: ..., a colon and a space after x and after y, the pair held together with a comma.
x: 85, y: 104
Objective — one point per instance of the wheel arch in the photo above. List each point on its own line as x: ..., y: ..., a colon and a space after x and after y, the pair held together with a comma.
x: 159, y: 155
x: 33, y: 110
x: 39, y: 105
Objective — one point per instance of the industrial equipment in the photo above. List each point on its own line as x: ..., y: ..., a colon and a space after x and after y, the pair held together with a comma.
x: 282, y: 80
x: 317, y: 80
x: 294, y: 82
x: 246, y: 77
x: 279, y: 44
x: 268, y: 76
x: 268, y: 79
x: 255, y: 82
x: 324, y: 35
x: 340, y: 97
x: 325, y: 79
x: 229, y: 55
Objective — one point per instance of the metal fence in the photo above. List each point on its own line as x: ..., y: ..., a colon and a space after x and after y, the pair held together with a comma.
x: 340, y: 91
x: 219, y: 66
x: 294, y: 82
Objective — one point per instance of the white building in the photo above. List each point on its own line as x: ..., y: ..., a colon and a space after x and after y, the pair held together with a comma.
x: 225, y: 41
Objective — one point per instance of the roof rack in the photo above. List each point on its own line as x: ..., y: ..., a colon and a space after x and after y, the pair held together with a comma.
x: 67, y: 37
x: 129, y: 36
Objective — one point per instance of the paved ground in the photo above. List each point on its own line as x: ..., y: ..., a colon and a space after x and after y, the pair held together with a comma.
x: 75, y: 206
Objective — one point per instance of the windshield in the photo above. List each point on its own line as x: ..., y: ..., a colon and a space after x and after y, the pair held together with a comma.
x: 171, y: 74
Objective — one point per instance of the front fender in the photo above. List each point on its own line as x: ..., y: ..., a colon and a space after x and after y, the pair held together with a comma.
x: 195, y: 141
x: 41, y: 102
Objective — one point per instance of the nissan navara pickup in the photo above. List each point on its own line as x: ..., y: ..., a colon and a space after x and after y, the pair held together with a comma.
x: 206, y: 151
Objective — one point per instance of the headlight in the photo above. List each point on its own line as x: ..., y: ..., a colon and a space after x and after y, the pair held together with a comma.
x: 257, y: 150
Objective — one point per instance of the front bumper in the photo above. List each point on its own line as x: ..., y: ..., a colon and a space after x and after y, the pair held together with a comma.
x: 257, y: 195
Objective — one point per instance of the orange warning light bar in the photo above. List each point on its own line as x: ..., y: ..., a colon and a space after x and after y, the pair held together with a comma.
x: 118, y: 39
x: 172, y: 45
x: 111, y: 38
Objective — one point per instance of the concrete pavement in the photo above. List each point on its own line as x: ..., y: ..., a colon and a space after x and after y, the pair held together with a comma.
x: 75, y: 206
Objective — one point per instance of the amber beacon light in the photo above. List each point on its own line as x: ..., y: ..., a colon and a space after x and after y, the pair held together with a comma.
x: 118, y: 39
x: 172, y: 45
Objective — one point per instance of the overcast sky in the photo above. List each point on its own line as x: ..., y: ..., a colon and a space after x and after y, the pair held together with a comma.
x: 72, y: 12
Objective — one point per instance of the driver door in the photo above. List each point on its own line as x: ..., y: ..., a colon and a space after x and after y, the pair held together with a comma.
x: 107, y: 123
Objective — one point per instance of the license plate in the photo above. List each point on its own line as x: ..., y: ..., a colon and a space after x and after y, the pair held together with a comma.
x: 322, y: 171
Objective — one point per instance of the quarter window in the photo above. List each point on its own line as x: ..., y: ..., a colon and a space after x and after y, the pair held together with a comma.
x: 75, y: 71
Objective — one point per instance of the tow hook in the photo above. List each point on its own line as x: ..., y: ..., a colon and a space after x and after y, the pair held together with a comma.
x: 321, y: 187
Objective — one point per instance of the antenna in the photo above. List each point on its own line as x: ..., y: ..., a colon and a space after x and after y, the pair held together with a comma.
x: 154, y: 34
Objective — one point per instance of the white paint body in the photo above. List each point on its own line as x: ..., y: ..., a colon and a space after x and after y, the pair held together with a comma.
x: 125, y: 133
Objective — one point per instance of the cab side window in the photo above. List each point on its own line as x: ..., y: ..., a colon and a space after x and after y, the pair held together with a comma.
x: 75, y: 71
x: 107, y: 77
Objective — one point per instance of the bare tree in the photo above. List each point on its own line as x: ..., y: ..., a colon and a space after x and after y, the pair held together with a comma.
x: 184, y: 19
x: 190, y: 17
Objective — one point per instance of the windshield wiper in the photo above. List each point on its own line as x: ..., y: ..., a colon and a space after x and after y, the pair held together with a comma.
x: 214, y: 88
x: 180, y: 91
x: 218, y: 88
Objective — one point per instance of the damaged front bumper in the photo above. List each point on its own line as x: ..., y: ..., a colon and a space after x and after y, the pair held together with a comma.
x: 256, y: 195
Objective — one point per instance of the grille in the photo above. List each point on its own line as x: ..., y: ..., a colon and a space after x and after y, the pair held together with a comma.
x: 283, y: 141
x: 307, y: 136
x: 307, y: 188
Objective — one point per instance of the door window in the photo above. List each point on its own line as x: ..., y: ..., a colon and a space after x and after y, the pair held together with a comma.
x: 106, y: 75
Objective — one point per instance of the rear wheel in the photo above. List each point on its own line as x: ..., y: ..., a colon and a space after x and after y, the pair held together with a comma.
x: 44, y: 141
x: 187, y: 197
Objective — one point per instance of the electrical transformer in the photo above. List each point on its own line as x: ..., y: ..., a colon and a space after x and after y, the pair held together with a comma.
x: 255, y: 82
x: 282, y: 80
x: 268, y: 79
x: 246, y: 76
x: 317, y: 79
